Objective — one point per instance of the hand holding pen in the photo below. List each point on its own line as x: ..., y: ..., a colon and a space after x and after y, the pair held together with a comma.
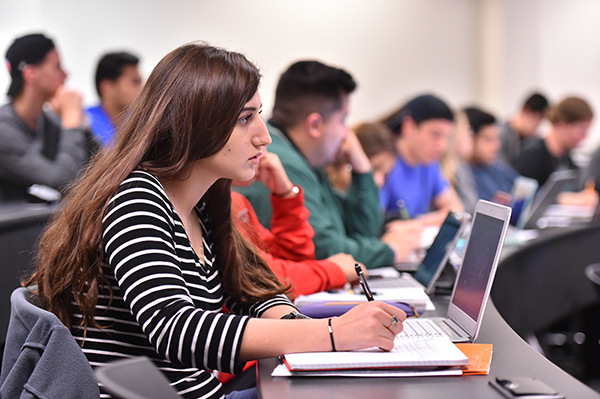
x: 367, y: 290
x: 363, y: 281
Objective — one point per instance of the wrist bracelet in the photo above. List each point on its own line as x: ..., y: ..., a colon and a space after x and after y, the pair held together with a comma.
x: 295, y: 189
x: 331, y: 335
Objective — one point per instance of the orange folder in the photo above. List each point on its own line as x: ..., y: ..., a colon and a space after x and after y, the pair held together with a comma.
x: 480, y: 358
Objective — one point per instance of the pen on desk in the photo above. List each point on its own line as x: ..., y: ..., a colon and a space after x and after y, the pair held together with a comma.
x: 363, y: 282
x: 415, y: 311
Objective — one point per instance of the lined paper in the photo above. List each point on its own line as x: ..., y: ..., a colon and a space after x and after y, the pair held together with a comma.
x: 406, y: 353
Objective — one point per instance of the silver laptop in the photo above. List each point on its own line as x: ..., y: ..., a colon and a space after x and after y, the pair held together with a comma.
x: 474, y: 279
x: 434, y: 261
x: 546, y: 196
x: 523, y: 193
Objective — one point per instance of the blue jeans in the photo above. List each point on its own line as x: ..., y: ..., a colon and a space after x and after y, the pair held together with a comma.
x: 245, y: 394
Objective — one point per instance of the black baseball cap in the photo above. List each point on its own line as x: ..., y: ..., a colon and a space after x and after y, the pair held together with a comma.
x: 421, y: 108
x: 29, y: 49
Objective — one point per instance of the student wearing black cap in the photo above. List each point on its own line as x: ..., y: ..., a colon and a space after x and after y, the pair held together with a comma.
x: 36, y: 147
x: 416, y: 185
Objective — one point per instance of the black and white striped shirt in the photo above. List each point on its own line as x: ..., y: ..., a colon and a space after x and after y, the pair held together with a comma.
x: 166, y: 305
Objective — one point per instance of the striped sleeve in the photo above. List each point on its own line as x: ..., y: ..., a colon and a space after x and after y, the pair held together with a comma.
x: 176, y: 300
x: 259, y: 308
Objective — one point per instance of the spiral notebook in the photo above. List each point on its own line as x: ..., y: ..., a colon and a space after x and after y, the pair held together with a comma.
x: 407, y: 353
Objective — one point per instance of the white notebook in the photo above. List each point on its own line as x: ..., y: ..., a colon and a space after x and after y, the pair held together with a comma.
x: 407, y: 353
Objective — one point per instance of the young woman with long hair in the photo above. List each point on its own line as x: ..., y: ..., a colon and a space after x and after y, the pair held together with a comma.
x: 143, y: 257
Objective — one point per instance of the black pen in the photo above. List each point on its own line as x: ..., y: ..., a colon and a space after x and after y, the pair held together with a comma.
x: 363, y: 282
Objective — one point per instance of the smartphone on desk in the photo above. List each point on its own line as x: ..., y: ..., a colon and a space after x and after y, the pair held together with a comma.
x: 524, y: 388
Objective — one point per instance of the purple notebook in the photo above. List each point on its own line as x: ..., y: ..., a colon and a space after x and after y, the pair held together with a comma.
x: 320, y: 310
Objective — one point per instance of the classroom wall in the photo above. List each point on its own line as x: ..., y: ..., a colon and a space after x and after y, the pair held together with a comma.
x: 552, y: 45
x: 393, y: 48
x: 487, y: 52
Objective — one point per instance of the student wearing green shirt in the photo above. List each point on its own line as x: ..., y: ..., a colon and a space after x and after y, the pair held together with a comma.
x: 308, y: 130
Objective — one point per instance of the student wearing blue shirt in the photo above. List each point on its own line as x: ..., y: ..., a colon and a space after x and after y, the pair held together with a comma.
x: 118, y: 81
x: 416, y: 184
x: 490, y: 172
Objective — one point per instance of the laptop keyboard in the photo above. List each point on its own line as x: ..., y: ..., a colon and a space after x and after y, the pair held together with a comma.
x: 421, y: 328
x: 390, y: 283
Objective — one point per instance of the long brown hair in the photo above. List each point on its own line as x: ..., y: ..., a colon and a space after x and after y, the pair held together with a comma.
x: 185, y: 112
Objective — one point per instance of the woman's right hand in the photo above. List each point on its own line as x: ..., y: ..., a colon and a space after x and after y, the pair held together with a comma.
x: 367, y: 325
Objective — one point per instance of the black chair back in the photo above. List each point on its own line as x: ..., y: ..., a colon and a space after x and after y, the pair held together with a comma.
x: 135, y: 378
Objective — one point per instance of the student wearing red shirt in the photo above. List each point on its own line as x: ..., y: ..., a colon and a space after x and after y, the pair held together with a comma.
x: 288, y: 247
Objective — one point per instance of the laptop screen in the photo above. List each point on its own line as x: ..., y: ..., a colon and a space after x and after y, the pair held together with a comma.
x: 546, y: 196
x: 439, y: 248
x: 524, y: 189
x: 477, y: 264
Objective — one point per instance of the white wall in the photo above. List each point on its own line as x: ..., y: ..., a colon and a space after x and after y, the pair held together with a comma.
x: 393, y: 48
x: 488, y: 52
x: 552, y: 45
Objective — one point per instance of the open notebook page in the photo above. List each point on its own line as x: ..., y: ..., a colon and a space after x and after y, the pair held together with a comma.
x: 431, y: 352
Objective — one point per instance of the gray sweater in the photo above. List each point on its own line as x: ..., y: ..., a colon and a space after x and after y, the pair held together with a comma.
x: 49, y: 155
x: 41, y: 357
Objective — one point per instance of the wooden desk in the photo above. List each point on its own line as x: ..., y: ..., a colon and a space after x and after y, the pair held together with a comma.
x: 512, y: 357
